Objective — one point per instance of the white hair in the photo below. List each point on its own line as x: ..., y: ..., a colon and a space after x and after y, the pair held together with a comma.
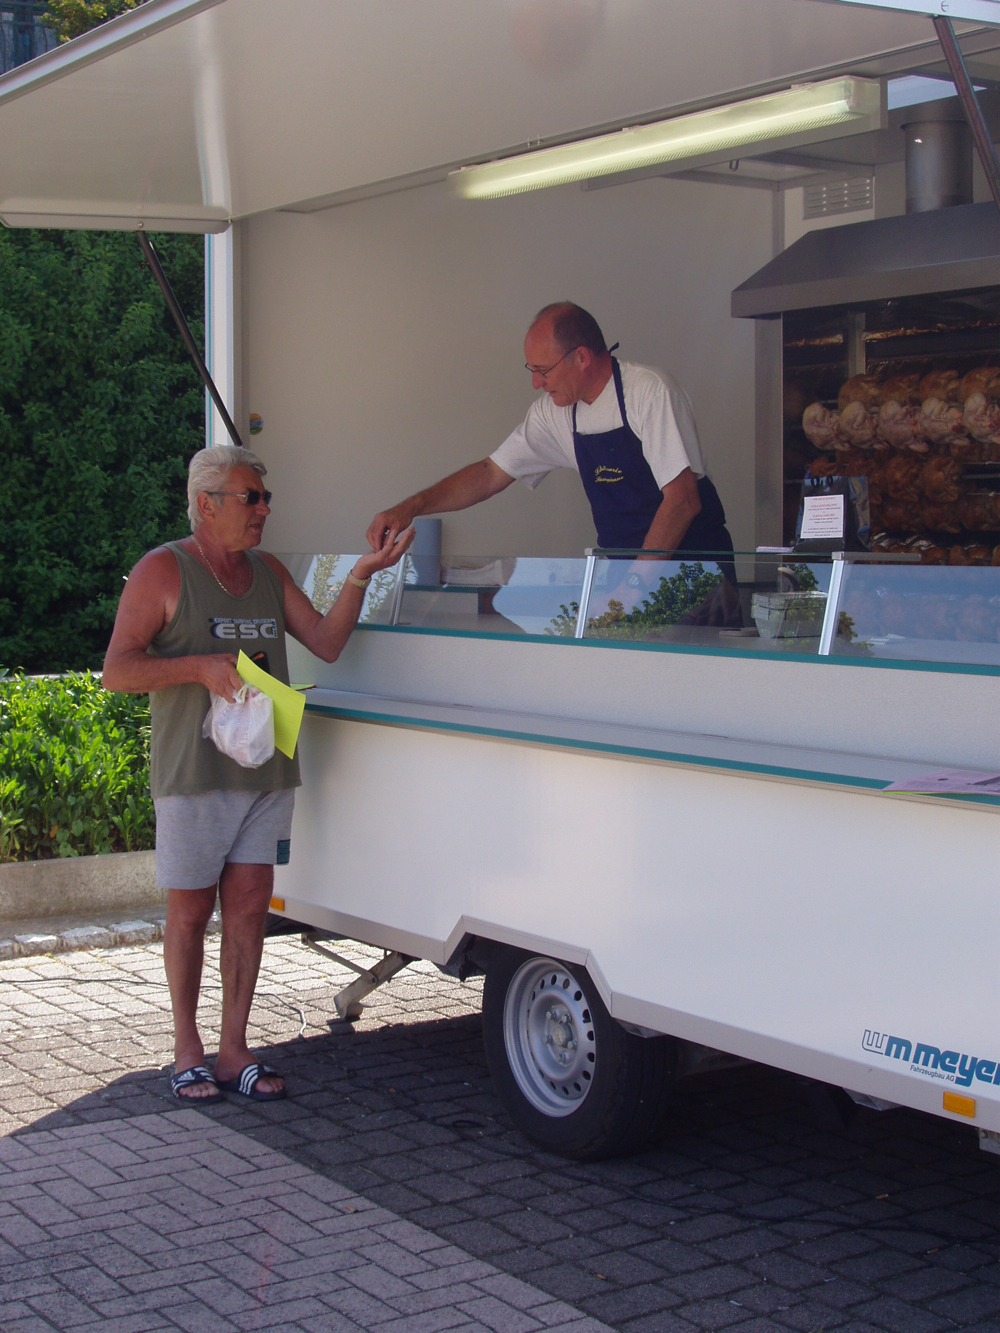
x: 209, y: 469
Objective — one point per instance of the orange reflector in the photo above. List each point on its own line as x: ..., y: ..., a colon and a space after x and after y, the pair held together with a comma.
x: 959, y: 1105
x: 278, y: 905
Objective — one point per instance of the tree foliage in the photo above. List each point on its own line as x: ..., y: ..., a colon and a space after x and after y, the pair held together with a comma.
x: 672, y: 598
x: 100, y: 409
x: 72, y: 18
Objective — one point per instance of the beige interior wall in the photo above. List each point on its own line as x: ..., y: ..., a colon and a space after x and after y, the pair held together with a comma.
x: 382, y: 345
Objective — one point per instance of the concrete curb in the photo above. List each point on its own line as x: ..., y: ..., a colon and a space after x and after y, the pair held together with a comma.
x: 115, y: 935
x: 121, y: 882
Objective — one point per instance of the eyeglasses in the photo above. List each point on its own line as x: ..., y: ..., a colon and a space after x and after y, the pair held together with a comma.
x: 544, y: 374
x: 249, y: 498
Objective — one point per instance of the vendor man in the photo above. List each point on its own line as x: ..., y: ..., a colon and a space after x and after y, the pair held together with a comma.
x: 187, y: 609
x: 628, y: 430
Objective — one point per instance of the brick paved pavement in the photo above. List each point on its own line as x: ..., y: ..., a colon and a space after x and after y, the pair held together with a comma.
x: 763, y: 1211
x: 166, y: 1221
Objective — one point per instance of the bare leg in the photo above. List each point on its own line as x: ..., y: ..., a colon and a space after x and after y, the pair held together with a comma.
x: 188, y: 912
x: 245, y: 895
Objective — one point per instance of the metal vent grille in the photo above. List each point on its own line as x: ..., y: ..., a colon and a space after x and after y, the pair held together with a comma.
x: 852, y: 195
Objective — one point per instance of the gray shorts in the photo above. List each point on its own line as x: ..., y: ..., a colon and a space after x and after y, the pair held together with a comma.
x: 197, y: 835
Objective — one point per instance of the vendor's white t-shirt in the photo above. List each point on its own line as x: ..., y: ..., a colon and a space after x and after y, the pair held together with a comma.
x: 659, y: 413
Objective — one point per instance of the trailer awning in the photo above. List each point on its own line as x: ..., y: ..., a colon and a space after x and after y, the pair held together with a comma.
x: 185, y: 114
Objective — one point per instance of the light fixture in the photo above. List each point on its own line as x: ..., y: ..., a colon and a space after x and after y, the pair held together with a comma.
x: 837, y: 106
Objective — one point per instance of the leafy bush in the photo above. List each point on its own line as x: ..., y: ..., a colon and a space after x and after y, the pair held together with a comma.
x: 74, y: 768
x: 71, y: 18
x: 100, y: 410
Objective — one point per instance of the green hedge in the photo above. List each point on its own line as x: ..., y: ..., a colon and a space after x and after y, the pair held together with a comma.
x: 100, y: 410
x: 74, y: 768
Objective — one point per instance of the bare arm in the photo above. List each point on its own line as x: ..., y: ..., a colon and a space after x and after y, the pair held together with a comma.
x: 680, y: 505
x: 326, y: 635
x: 468, y: 486
x: 128, y: 668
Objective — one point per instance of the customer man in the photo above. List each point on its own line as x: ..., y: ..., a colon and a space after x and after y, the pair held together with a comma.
x: 629, y: 431
x: 219, y: 827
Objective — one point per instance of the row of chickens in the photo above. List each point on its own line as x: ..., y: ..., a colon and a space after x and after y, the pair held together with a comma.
x: 973, y: 619
x: 938, y: 412
x: 907, y: 493
x: 932, y: 552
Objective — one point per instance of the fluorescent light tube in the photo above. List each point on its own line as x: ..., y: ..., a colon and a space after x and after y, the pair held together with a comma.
x: 724, y: 129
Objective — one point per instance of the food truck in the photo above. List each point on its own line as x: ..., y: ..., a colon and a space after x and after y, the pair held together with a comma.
x: 663, y: 833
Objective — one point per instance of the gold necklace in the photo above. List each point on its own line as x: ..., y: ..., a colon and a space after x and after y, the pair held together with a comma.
x: 212, y: 571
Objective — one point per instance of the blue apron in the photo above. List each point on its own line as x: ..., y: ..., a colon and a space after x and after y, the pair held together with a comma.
x: 623, y: 493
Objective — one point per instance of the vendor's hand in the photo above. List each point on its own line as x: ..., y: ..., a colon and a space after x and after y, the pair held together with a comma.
x: 385, y: 556
x: 386, y: 527
x: 219, y: 675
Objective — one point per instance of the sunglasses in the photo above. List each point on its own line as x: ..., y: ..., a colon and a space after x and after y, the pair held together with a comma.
x: 249, y: 498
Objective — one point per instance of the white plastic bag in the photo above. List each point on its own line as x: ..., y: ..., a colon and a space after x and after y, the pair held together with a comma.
x: 243, y: 729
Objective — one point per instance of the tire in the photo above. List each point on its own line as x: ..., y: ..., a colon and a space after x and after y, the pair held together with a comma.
x: 570, y: 1077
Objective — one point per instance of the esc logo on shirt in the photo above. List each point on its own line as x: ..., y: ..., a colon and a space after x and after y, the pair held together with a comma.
x: 604, y: 473
x: 243, y: 627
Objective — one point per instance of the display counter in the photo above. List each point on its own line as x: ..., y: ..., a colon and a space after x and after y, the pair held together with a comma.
x: 594, y: 761
x: 876, y: 609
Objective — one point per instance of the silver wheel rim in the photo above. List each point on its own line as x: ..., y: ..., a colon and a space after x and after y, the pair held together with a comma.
x: 549, y: 1033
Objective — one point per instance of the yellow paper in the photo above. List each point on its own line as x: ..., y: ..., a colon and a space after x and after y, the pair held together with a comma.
x: 288, y: 703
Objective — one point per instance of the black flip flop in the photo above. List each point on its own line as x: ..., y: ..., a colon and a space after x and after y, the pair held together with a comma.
x: 187, y: 1078
x: 246, y: 1083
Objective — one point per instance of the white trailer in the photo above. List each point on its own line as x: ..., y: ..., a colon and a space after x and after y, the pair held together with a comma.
x: 663, y: 849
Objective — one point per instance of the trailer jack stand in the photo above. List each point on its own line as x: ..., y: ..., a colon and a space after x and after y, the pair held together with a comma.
x: 348, y: 1001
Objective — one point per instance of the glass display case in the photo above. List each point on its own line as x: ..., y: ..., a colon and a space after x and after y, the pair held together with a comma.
x: 857, y: 606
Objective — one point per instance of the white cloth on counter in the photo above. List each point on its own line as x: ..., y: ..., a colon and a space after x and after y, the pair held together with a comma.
x: 659, y: 413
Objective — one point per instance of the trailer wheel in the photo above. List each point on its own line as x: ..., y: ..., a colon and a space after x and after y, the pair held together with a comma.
x: 571, y: 1078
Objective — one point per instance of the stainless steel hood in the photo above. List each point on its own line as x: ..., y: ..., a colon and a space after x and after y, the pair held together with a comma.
x: 950, y: 249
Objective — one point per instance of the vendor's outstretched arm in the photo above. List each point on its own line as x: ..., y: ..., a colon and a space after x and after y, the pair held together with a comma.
x: 468, y: 486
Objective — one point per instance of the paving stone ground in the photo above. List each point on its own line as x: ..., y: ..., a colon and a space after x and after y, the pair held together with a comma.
x: 166, y: 1221
x: 764, y: 1210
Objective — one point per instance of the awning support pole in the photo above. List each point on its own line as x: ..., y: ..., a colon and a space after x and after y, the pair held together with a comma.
x: 173, y: 305
x: 970, y: 103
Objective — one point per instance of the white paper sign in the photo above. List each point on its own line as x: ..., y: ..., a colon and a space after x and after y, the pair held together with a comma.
x: 822, y: 518
x: 951, y: 780
x: 979, y: 11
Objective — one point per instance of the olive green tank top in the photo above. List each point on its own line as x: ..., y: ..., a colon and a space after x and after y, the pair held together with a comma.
x: 210, y: 620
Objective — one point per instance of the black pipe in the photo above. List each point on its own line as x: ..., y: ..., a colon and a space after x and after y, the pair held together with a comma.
x: 173, y: 305
x: 970, y: 103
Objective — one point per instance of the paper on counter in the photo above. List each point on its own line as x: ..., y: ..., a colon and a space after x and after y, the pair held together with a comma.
x: 951, y: 781
x: 822, y: 518
x: 289, y: 704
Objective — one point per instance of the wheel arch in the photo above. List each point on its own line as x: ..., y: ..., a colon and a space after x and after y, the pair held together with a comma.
x: 479, y: 941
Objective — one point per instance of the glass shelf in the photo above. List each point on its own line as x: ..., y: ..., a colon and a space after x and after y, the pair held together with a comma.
x: 885, y: 607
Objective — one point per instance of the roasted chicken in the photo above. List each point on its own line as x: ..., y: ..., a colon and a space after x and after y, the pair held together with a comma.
x: 858, y: 425
x: 822, y: 427
x: 982, y: 418
x: 899, y: 426
x: 941, y: 422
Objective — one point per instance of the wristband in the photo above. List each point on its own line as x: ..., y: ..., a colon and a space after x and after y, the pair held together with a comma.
x: 359, y: 583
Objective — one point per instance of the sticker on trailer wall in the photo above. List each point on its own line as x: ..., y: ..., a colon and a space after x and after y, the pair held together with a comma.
x: 932, y: 1062
x: 256, y: 423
